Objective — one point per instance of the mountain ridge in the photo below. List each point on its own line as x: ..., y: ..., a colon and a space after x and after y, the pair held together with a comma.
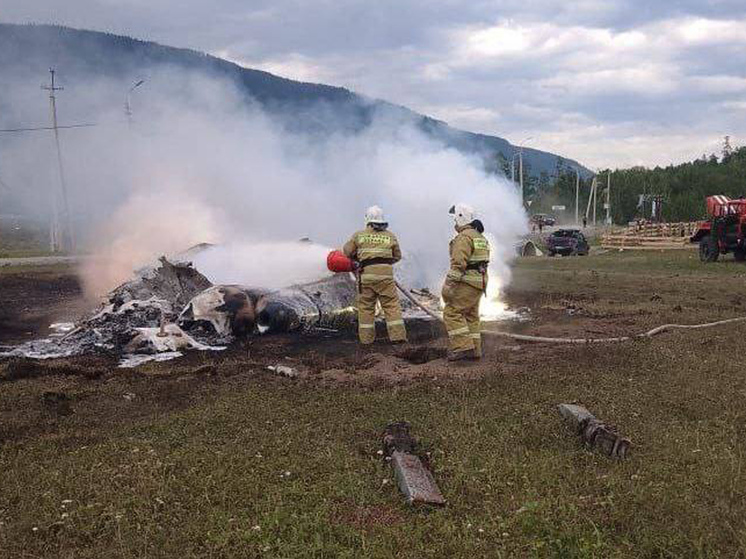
x: 77, y: 51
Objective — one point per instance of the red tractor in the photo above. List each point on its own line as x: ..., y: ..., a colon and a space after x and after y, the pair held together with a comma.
x: 724, y: 232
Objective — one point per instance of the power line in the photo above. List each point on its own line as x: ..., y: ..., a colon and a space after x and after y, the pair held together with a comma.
x: 47, y: 128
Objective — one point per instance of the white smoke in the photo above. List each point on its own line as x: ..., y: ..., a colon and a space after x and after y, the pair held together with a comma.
x: 202, y: 166
x: 287, y: 263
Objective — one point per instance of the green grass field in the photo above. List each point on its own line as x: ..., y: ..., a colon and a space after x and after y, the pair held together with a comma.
x: 237, y: 463
x: 20, y: 239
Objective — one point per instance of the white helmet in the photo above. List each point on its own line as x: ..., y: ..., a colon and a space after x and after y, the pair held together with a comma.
x: 374, y: 214
x: 463, y: 214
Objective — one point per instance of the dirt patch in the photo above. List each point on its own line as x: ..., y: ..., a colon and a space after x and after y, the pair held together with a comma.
x: 32, y: 299
x: 17, y: 369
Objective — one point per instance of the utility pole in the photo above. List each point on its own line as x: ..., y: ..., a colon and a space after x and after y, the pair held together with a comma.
x: 577, y: 195
x: 608, y: 198
x: 56, y: 237
x: 595, y: 201
x: 592, y: 200
x: 520, y: 164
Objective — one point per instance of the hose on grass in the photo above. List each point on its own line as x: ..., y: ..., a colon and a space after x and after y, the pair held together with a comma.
x: 542, y: 339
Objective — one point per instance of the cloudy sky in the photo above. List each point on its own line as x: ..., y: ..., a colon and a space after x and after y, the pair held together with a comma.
x: 607, y: 82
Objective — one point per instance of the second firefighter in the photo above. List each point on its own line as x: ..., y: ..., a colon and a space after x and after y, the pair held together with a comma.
x: 465, y: 284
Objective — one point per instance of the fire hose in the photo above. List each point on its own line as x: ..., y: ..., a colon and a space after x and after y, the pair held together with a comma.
x: 526, y: 338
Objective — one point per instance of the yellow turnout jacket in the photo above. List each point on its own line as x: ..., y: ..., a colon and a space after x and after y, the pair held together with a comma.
x: 369, y: 244
x: 470, y: 255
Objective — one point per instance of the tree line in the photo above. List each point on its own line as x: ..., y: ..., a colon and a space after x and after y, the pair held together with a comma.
x: 681, y: 188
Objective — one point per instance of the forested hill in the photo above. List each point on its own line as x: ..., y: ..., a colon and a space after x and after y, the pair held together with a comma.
x: 683, y: 187
x: 33, y: 49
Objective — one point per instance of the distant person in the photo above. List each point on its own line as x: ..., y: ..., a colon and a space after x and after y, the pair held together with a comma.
x: 465, y: 283
x: 585, y: 222
x: 376, y: 250
x: 541, y: 227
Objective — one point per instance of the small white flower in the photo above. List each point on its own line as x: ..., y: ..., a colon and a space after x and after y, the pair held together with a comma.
x: 256, y: 527
x: 481, y: 530
x: 287, y: 474
x: 468, y: 525
x: 67, y: 501
x: 35, y: 529
x: 65, y: 515
x: 385, y: 481
x: 380, y: 453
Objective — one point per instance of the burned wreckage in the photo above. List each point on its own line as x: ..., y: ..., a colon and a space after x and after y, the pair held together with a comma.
x: 170, y: 306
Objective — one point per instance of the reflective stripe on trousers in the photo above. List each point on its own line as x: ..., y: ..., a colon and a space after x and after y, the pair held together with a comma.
x: 381, y: 289
x: 461, y: 317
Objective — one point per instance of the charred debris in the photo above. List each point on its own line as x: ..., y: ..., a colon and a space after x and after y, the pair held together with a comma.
x: 170, y: 307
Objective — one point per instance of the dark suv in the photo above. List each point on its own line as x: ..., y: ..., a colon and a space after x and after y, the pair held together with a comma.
x: 566, y: 242
x: 543, y: 219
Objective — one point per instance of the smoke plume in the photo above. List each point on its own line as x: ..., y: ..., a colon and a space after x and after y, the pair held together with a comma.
x: 199, y: 164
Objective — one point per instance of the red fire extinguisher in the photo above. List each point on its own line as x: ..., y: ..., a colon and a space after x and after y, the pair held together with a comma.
x: 338, y: 262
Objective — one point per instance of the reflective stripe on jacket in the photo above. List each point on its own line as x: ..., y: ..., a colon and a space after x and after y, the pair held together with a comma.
x: 469, y: 248
x: 370, y: 243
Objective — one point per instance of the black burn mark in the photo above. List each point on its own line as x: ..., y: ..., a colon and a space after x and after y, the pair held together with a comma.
x: 240, y: 309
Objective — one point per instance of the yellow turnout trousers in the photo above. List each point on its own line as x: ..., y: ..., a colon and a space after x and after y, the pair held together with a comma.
x: 383, y: 290
x: 461, y: 317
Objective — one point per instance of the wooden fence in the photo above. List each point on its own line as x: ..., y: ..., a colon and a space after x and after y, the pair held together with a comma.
x: 651, y: 236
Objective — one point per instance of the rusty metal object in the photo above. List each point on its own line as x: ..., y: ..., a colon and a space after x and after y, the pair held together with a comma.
x: 414, y: 479
x: 594, y: 432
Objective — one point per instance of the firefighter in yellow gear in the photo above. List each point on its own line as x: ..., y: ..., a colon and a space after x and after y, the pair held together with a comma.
x: 466, y: 282
x: 376, y: 249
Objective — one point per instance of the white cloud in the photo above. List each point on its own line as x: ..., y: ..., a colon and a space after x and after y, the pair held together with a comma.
x: 497, y: 41
x: 671, y: 72
x: 702, y: 31
x: 475, y: 119
x: 294, y: 66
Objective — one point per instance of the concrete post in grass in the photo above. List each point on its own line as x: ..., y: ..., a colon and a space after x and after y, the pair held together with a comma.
x: 414, y: 479
x: 594, y: 432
